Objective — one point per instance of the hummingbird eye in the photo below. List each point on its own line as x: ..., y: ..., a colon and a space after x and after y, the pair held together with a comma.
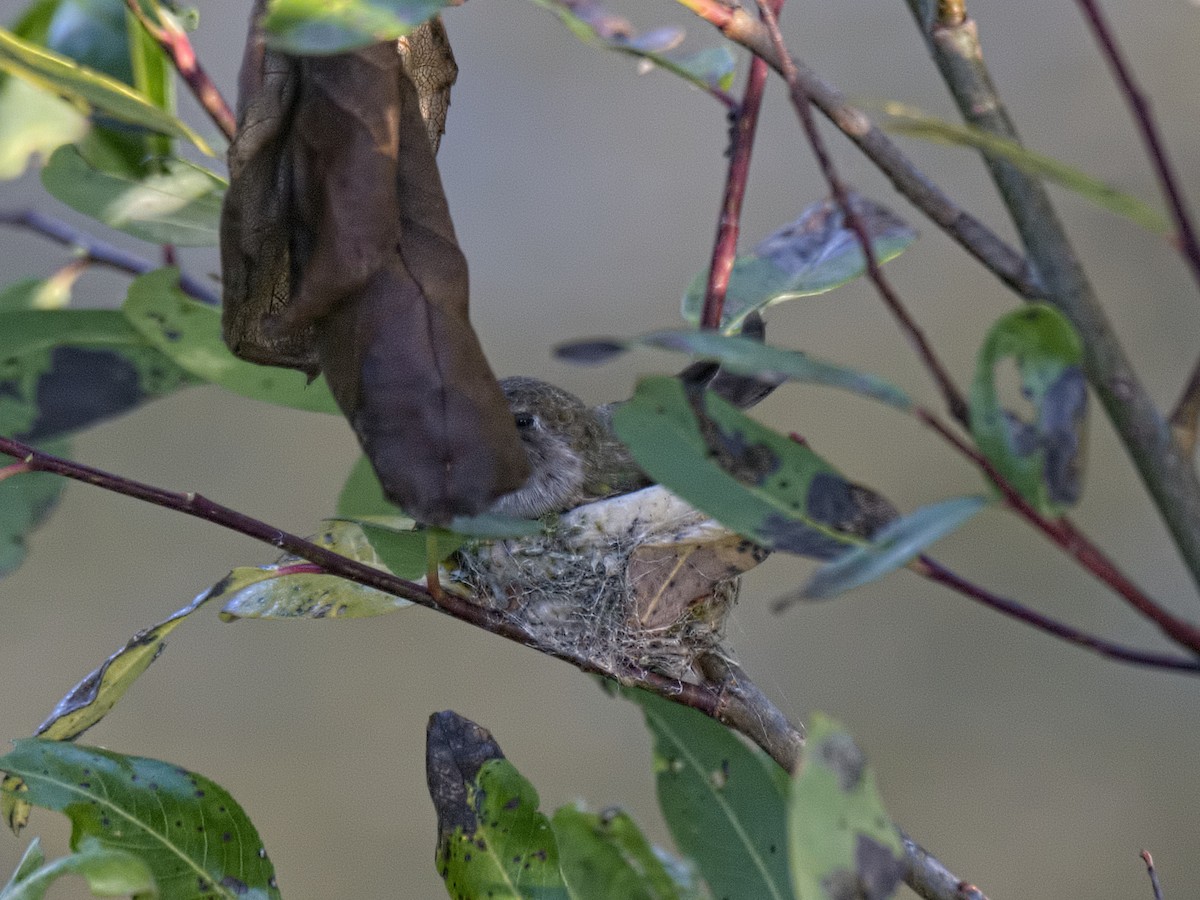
x: 523, y: 420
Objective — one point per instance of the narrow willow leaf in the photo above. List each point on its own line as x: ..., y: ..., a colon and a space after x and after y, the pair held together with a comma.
x: 605, y: 856
x: 1041, y: 456
x: 179, y: 203
x: 764, y: 486
x: 893, y: 546
x: 319, y: 27
x: 841, y: 842
x: 191, y: 833
x: 492, y: 840
x: 153, y: 77
x: 709, y: 69
x: 108, y: 872
x: 88, y: 88
x: 744, y: 356
x: 189, y: 333
x: 812, y: 255
x: 291, y: 588
x: 908, y: 120
x: 100, y: 690
x: 721, y: 801
x: 362, y: 495
x: 31, y: 861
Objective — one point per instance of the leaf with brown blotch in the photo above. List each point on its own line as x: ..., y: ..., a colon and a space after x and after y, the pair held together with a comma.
x: 359, y: 261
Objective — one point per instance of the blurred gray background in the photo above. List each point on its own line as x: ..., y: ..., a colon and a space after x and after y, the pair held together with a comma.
x: 585, y: 196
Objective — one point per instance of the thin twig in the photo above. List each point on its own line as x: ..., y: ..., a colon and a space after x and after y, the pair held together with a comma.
x: 954, y: 399
x: 976, y: 238
x: 1063, y: 533
x: 745, y: 124
x: 704, y: 698
x: 178, y: 47
x: 931, y: 880
x: 97, y: 251
x: 936, y: 572
x: 1185, y: 416
x: 1143, y: 117
x: 1166, y: 471
x: 1154, y: 885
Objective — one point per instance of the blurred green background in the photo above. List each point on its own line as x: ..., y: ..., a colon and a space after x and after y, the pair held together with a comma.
x: 585, y: 196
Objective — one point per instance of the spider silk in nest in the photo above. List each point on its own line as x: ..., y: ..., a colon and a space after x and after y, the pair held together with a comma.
x: 641, y: 579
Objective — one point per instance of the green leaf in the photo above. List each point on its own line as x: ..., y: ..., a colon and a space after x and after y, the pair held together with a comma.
x: 767, y: 487
x: 189, y: 333
x: 362, y: 494
x: 94, y: 33
x: 26, y: 499
x: 721, y: 800
x: 502, y: 847
x: 63, y: 370
x: 407, y: 553
x: 295, y: 589
x: 908, y: 120
x: 841, y: 842
x: 87, y: 88
x: 812, y: 255
x: 191, y: 833
x: 31, y: 860
x: 109, y: 873
x: 335, y: 26
x: 744, y: 356
x: 178, y: 204
x: 710, y: 69
x: 33, y: 122
x: 605, y: 856
x: 153, y: 76
x: 1042, y: 455
x: 893, y: 546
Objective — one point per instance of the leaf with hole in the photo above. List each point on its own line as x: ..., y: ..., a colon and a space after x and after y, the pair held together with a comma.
x: 814, y: 254
x: 189, y: 333
x: 189, y: 831
x: 1042, y: 453
x: 763, y: 485
x: 841, y: 842
x: 893, y: 546
x: 175, y: 202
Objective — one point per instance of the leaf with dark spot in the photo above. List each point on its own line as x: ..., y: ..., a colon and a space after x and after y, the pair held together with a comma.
x: 492, y: 840
x: 148, y: 808
x: 841, y: 844
x: 759, y: 483
x: 1040, y: 454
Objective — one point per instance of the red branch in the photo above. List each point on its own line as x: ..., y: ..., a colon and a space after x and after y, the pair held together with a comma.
x: 179, y: 49
x: 745, y: 124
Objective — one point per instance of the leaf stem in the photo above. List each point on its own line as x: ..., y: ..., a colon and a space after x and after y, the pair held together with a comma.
x: 953, y: 398
x: 178, y: 47
x: 1063, y: 534
x: 97, y: 251
x: 936, y: 572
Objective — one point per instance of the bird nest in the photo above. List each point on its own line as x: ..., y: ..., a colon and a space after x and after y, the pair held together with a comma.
x: 641, y: 580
